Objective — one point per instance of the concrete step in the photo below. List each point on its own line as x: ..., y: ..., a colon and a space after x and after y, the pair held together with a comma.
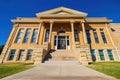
x: 62, y: 59
x: 72, y: 62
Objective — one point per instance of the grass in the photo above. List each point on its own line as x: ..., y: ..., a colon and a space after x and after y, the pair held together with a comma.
x: 109, y: 68
x: 9, y: 69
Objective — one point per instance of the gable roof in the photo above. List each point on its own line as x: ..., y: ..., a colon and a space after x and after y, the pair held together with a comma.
x: 61, y: 11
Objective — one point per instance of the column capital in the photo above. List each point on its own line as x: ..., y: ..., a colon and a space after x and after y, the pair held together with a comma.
x: 82, y: 21
x: 16, y: 25
x: 72, y: 21
x: 51, y: 21
x: 40, y: 21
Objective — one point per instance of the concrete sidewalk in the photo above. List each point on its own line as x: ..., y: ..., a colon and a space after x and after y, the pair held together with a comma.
x: 59, y: 70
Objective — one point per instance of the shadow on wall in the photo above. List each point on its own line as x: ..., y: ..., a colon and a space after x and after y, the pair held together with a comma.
x: 1, y: 48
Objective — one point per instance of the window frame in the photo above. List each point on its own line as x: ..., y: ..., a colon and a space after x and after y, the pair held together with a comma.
x: 29, y: 56
x: 96, y: 36
x: 88, y: 35
x: 34, y: 36
x: 92, y: 51
x: 19, y: 36
x: 12, y: 55
x: 103, y: 36
x: 76, y: 36
x: 27, y: 35
x: 21, y: 54
x: 47, y: 35
x: 102, y: 56
x: 111, y: 57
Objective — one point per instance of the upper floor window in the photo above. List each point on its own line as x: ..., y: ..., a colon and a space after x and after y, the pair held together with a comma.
x: 76, y: 37
x: 95, y: 36
x: 88, y: 36
x: 47, y: 35
x: 12, y: 54
x: 27, y: 36
x: 19, y: 36
x: 34, y: 37
x: 103, y: 36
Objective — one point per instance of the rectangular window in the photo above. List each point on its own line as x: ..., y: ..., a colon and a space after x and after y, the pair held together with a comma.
x: 19, y: 36
x: 27, y: 36
x: 55, y: 40
x: 103, y: 36
x: 12, y: 54
x: 68, y: 43
x: 88, y: 36
x: 93, y: 54
x: 34, y: 37
x: 95, y: 36
x: 47, y: 35
x: 29, y: 55
x: 110, y: 54
x: 21, y: 55
x: 101, y: 54
x: 76, y: 37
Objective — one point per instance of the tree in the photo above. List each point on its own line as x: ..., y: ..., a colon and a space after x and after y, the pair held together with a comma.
x: 1, y: 48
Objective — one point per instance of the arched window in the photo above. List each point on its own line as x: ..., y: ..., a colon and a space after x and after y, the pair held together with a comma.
x: 61, y: 31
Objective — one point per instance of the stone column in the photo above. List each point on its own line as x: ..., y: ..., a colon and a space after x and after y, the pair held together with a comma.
x: 84, y: 33
x: 39, y: 30
x: 51, y: 25
x: 72, y: 28
x: 73, y: 39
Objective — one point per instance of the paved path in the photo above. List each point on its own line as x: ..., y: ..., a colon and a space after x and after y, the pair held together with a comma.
x: 69, y: 70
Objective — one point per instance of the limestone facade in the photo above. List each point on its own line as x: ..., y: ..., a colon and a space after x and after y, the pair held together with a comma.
x: 89, y: 39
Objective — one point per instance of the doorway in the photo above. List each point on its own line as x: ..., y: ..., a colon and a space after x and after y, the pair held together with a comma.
x: 61, y: 42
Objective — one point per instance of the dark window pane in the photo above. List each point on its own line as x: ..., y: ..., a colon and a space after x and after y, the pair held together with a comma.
x: 47, y: 36
x: 27, y: 36
x: 101, y: 55
x: 29, y: 55
x: 110, y: 54
x: 19, y: 36
x: 76, y: 37
x: 34, y: 37
x: 96, y: 36
x: 93, y: 55
x: 88, y: 36
x: 12, y: 54
x: 21, y: 55
x: 103, y: 36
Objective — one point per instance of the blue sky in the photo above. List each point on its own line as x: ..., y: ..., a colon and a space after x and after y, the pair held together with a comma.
x: 10, y: 9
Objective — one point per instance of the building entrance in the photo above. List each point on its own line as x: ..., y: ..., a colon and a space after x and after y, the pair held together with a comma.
x: 61, y: 42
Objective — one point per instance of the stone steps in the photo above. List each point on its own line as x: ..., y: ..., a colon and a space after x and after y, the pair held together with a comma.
x: 61, y: 55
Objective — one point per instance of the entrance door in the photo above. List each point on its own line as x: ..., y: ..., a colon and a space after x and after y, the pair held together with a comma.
x: 61, y: 42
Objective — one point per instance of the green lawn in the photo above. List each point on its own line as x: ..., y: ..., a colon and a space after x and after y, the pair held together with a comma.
x: 8, y: 69
x: 109, y: 68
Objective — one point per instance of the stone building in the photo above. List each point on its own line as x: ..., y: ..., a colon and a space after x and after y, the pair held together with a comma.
x: 61, y: 34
